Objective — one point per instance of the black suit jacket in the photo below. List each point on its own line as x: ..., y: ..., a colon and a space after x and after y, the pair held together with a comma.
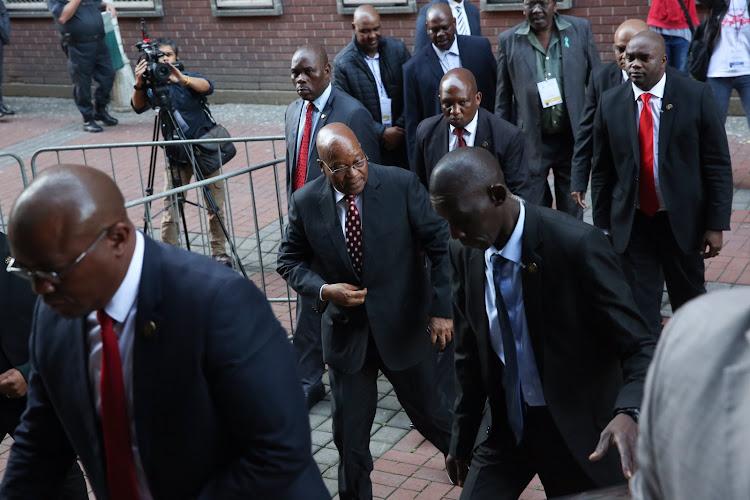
x: 397, y: 224
x: 422, y: 75
x: 219, y: 411
x: 695, y: 170
x: 340, y: 108
x: 494, y: 134
x: 421, y: 38
x: 15, y: 317
x: 602, y: 79
x: 592, y: 348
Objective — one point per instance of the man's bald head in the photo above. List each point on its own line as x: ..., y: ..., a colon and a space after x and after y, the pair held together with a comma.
x: 314, y: 51
x: 459, y: 99
x: 467, y: 188
x: 440, y: 8
x: 460, y: 76
x: 623, y: 34
x: 366, y: 27
x: 441, y: 25
x: 68, y: 212
x: 340, y: 152
x: 647, y: 59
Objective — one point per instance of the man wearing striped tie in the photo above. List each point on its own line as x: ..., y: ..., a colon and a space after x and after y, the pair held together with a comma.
x: 467, y: 21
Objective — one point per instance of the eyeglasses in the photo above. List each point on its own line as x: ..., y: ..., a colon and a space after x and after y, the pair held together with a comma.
x: 342, y: 170
x: 54, y: 277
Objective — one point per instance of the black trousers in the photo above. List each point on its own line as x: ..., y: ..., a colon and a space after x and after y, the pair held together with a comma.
x: 87, y: 61
x: 74, y: 486
x: 557, y: 155
x: 353, y: 403
x: 653, y: 257
x: 307, y: 344
x: 501, y: 470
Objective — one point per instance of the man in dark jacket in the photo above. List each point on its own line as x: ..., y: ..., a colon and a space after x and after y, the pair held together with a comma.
x: 369, y: 69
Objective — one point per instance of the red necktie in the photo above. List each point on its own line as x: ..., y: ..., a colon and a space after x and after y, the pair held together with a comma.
x: 354, y: 235
x: 460, y: 134
x: 115, y: 422
x: 304, y: 149
x: 647, y: 198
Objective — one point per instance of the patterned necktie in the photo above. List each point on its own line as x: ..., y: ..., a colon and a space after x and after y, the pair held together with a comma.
x: 461, y: 27
x: 115, y: 423
x: 300, y: 174
x: 647, y: 198
x: 460, y: 134
x: 511, y: 375
x: 354, y: 235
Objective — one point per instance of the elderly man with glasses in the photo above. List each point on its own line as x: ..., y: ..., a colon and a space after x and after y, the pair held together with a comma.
x: 355, y: 239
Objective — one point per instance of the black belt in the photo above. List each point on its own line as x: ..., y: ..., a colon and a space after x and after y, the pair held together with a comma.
x: 67, y: 37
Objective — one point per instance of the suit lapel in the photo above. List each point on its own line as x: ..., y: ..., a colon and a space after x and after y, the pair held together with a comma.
x: 433, y: 63
x: 531, y: 277
x: 666, y: 118
x: 294, y: 126
x: 526, y: 53
x: 615, y: 76
x: 372, y: 200
x: 475, y: 280
x: 330, y: 218
x: 628, y: 113
x: 483, y: 134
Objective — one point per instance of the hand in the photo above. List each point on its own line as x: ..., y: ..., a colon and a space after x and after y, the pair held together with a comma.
x: 713, y: 240
x: 108, y: 7
x: 392, y: 138
x: 623, y: 431
x: 12, y: 384
x: 441, y: 331
x: 140, y: 70
x: 343, y: 294
x: 176, y: 75
x: 579, y: 198
x: 456, y: 470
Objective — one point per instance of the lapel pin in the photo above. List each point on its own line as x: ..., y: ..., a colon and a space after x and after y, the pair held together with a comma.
x: 669, y: 106
x: 566, y: 42
x: 322, y: 117
x: 484, y: 144
x: 149, y: 330
x: 7, y: 260
x: 531, y: 268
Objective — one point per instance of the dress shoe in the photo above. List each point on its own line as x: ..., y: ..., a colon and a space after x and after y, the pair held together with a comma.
x: 314, y: 394
x: 223, y: 258
x: 4, y: 110
x: 104, y: 117
x: 91, y: 126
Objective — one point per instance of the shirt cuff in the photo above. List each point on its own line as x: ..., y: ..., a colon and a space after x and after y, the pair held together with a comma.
x: 320, y: 292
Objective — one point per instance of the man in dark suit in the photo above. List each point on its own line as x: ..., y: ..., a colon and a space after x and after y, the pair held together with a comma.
x: 544, y: 65
x: 355, y: 240
x: 603, y: 78
x: 546, y: 332
x: 370, y: 69
x: 16, y: 312
x: 319, y: 103
x: 462, y: 115
x: 165, y: 372
x: 469, y: 25
x: 661, y: 180
x: 447, y: 51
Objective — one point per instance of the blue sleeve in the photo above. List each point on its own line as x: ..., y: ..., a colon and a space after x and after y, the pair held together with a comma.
x: 56, y: 7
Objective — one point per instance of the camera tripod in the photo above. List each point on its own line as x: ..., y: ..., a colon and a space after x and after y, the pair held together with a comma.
x: 166, y: 120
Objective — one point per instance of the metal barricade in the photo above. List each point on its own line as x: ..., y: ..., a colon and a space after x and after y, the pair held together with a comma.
x: 11, y: 184
x: 254, y: 205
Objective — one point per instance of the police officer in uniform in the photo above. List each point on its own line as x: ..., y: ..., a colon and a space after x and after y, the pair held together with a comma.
x: 82, y: 29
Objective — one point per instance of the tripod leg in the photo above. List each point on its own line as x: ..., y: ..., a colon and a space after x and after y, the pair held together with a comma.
x: 151, y: 173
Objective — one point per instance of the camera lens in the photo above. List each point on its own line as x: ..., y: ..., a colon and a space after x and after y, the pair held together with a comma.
x: 161, y: 72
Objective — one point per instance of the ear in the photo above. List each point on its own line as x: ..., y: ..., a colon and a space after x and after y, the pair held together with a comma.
x: 321, y: 166
x: 498, y: 194
x: 354, y: 28
x: 479, y: 98
x: 327, y: 69
x: 119, y: 236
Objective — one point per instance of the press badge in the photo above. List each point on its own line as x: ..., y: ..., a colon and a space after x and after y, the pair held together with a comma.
x: 385, y: 111
x: 549, y: 92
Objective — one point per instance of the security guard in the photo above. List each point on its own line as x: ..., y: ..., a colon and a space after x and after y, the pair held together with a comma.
x: 82, y: 29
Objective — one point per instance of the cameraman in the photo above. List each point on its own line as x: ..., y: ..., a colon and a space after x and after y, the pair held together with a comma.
x: 187, y: 92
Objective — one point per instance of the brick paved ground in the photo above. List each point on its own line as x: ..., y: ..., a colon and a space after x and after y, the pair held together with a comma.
x: 406, y: 466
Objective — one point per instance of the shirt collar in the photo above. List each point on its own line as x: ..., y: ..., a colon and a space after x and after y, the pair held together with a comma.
x: 560, y: 23
x: 657, y: 90
x: 513, y: 247
x: 452, y: 50
x: 321, y: 101
x: 368, y: 58
x: 123, y: 300
x: 470, y: 127
x: 625, y: 76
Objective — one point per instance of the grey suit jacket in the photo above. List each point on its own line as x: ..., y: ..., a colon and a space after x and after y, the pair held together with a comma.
x: 340, y: 108
x: 694, y: 441
x: 502, y: 139
x: 517, y: 97
x: 398, y: 223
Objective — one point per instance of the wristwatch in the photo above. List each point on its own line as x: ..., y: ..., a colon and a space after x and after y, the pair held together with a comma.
x: 634, y: 413
x: 136, y: 87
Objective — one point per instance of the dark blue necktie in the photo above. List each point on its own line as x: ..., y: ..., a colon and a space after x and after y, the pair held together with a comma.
x: 511, y: 377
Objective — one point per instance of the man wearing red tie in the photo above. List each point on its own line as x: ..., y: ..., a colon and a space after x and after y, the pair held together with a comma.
x: 662, y: 178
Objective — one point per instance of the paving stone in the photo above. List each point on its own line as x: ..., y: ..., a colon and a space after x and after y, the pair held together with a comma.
x: 332, y: 485
x: 315, y: 449
x: 321, y: 438
x: 389, y: 402
x: 332, y: 472
x: 322, y: 408
x: 326, y: 456
x: 317, y: 419
x: 384, y: 387
x: 383, y: 415
x: 401, y: 420
x: 389, y: 435
x: 326, y: 425
x: 377, y: 448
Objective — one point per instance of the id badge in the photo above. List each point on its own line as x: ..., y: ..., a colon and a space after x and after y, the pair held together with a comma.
x: 549, y: 92
x: 385, y: 111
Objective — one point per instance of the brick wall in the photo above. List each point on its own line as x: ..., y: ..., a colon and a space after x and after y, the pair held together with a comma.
x: 253, y: 53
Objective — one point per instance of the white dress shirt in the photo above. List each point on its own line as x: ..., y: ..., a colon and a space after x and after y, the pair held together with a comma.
x: 655, y: 103
x: 469, y: 134
x: 531, y: 384
x: 342, y: 207
x: 449, y: 59
x: 319, y: 104
x: 122, y: 309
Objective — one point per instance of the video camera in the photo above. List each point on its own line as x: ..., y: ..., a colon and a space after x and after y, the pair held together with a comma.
x: 157, y: 73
